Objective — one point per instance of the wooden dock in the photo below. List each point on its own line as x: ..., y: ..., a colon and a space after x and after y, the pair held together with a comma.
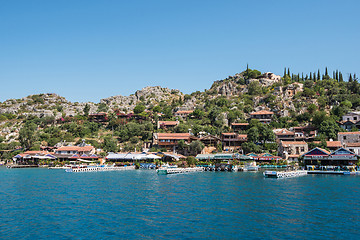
x: 22, y: 166
x: 285, y: 174
x: 179, y: 170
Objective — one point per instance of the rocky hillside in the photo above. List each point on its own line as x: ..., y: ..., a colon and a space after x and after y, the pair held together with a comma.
x: 44, y: 105
x: 148, y: 96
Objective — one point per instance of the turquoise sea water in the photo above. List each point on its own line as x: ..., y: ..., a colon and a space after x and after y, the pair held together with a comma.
x: 52, y: 204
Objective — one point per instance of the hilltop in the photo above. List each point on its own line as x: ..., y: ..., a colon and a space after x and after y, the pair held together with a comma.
x: 128, y: 122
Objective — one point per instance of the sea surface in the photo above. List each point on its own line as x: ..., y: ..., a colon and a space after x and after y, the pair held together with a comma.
x: 139, y: 204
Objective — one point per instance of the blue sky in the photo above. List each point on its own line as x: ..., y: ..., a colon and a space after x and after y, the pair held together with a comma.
x: 88, y: 50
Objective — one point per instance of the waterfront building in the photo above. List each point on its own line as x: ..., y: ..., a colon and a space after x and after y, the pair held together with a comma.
x: 340, y: 157
x: 67, y: 153
x: 264, y: 157
x: 32, y: 157
x: 291, y: 150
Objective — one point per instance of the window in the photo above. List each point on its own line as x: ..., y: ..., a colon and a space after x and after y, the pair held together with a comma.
x: 355, y: 118
x: 302, y: 149
x: 344, y: 138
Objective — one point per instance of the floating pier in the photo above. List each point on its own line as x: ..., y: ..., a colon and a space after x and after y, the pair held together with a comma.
x: 333, y: 172
x: 179, y: 170
x: 22, y: 166
x: 99, y: 169
x: 284, y: 174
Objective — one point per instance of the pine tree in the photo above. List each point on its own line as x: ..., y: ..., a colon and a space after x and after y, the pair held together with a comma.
x: 314, y: 77
x: 288, y: 72
x: 350, y: 78
x: 340, y: 77
x: 302, y: 76
x: 334, y: 77
x: 284, y: 72
x: 306, y: 77
x: 310, y: 77
x: 337, y: 75
x: 326, y: 72
x: 247, y: 71
x: 318, y: 75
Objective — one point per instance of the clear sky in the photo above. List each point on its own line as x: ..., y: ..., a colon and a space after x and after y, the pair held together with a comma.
x: 86, y: 50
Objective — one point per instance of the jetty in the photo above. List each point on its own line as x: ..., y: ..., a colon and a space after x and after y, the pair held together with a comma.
x: 179, y: 170
x: 99, y: 169
x: 22, y: 166
x: 284, y: 174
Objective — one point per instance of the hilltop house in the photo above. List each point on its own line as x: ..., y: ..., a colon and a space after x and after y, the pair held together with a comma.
x: 167, y: 124
x: 263, y: 116
x: 238, y: 127
x: 99, y: 117
x: 183, y: 114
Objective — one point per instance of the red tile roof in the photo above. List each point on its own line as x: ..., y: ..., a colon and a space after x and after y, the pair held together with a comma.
x: 75, y: 148
x: 228, y: 134
x: 346, y: 133
x: 357, y: 144
x: 168, y: 123
x: 184, y: 112
x: 262, y: 112
x: 240, y: 124
x: 332, y: 144
x: 36, y: 152
x: 178, y: 136
x: 280, y: 132
x: 284, y: 143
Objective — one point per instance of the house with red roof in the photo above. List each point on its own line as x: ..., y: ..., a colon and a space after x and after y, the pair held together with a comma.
x: 66, y: 153
x: 171, y: 140
x: 263, y: 116
x: 232, y: 141
x: 238, y: 127
x: 348, y: 137
x: 167, y: 124
x: 183, y: 114
x: 291, y: 150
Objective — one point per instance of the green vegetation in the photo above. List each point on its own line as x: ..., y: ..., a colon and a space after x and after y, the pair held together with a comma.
x: 298, y: 99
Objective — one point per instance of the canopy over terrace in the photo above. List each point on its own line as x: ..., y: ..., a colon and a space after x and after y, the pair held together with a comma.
x: 222, y: 156
x: 131, y: 156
